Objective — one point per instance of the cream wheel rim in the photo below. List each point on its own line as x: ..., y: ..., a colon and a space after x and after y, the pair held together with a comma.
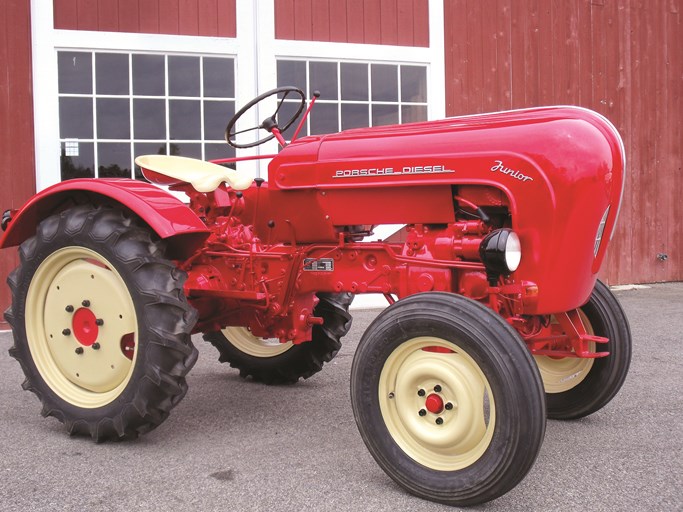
x: 437, y: 403
x: 81, y: 327
x: 244, y: 341
x: 560, y: 374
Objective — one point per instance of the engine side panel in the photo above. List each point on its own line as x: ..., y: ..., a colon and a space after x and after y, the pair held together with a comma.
x: 559, y: 167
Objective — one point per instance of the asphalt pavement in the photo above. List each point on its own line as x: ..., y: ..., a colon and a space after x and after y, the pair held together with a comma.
x: 234, y: 445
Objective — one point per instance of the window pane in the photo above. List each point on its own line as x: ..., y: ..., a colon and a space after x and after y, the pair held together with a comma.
x: 287, y: 111
x: 113, y: 160
x: 291, y: 72
x: 113, y: 118
x: 75, y: 118
x: 111, y: 73
x: 384, y: 115
x: 414, y: 83
x: 413, y: 113
x: 324, y: 119
x: 183, y: 76
x: 185, y: 119
x: 219, y: 77
x: 354, y: 116
x: 149, y: 75
x: 190, y: 150
x: 215, y: 151
x: 149, y: 119
x: 216, y: 117
x: 354, y: 82
x: 384, y: 82
x: 324, y: 79
x: 75, y: 72
x: 80, y: 163
x: 147, y: 148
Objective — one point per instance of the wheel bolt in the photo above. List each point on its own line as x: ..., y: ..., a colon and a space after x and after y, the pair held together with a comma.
x: 421, y: 392
x: 422, y: 412
x: 99, y: 321
x: 85, y: 303
x: 69, y: 309
x: 437, y: 389
x: 448, y: 406
x: 96, y: 346
x: 439, y: 421
x: 66, y: 332
x: 79, y: 350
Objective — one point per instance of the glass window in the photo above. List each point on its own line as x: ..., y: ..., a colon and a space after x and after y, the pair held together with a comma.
x: 74, y: 72
x: 354, y: 81
x: 115, y: 106
x: 384, y: 82
x: 149, y: 75
x: 356, y: 94
x: 183, y: 76
x: 111, y: 73
x: 414, y: 84
x: 113, y: 118
x: 219, y: 78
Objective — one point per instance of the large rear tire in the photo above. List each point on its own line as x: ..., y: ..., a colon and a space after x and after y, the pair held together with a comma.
x: 447, y: 399
x: 578, y: 387
x: 271, y: 362
x: 101, y: 325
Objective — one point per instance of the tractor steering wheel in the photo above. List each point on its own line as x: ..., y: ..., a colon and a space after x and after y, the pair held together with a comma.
x: 269, y: 123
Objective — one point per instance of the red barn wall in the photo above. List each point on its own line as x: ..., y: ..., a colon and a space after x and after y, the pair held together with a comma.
x: 392, y: 22
x: 621, y: 58
x: 17, y: 163
x: 176, y: 17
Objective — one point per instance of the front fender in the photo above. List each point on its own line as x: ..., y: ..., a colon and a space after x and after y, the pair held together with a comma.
x: 170, y: 219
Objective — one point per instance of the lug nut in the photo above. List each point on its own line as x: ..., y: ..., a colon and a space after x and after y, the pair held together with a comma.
x: 437, y: 389
x: 85, y: 303
x: 421, y: 392
x: 439, y: 421
x: 99, y: 321
x: 66, y: 332
x: 422, y: 412
x: 69, y: 309
x: 96, y: 346
x: 79, y: 350
x: 448, y: 406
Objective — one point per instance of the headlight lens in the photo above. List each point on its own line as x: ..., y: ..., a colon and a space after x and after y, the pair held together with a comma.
x: 501, y: 251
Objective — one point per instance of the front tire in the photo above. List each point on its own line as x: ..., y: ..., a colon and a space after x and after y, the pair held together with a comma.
x: 271, y: 362
x: 578, y: 387
x: 447, y: 399
x: 101, y: 325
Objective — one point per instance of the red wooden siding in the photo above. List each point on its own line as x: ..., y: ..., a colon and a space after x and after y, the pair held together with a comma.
x: 390, y: 22
x: 17, y: 163
x: 621, y: 58
x: 214, y: 18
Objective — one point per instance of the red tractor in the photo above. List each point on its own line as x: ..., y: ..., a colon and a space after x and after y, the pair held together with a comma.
x: 496, y: 317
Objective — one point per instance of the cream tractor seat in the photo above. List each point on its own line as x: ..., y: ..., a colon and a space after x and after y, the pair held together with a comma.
x: 203, y: 176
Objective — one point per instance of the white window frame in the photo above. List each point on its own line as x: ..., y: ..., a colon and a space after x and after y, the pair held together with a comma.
x: 255, y: 50
x: 269, y: 50
x: 47, y: 41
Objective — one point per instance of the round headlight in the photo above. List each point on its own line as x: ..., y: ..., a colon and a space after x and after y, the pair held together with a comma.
x: 501, y: 251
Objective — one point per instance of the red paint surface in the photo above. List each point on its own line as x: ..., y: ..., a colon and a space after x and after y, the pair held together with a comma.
x: 213, y: 18
x: 84, y: 327
x: 388, y: 22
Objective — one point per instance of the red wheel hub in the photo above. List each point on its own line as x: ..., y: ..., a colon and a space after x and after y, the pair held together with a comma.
x: 434, y: 403
x: 85, y: 326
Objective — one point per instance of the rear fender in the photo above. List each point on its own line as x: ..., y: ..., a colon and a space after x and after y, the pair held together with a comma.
x: 171, y: 220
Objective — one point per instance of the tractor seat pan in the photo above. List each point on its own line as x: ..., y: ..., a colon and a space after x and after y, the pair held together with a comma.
x: 203, y: 176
